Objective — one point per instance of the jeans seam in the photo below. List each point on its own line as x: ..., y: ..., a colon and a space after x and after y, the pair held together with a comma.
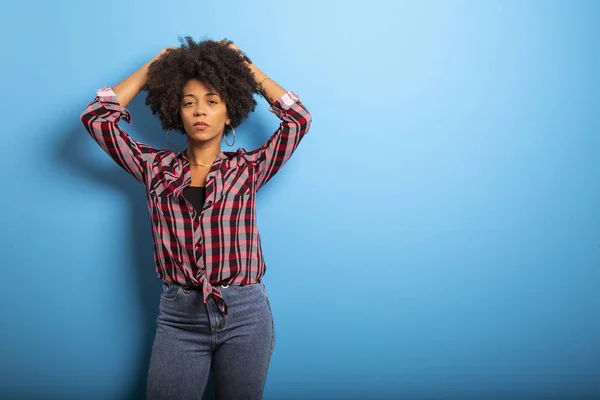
x: 242, y: 288
x: 172, y: 299
x: 272, y: 334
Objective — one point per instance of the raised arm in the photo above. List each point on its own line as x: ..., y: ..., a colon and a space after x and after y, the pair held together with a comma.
x: 102, y: 115
x: 129, y: 87
x: 295, y: 123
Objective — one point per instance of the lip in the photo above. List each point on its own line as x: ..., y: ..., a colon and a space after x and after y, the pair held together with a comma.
x: 200, y: 126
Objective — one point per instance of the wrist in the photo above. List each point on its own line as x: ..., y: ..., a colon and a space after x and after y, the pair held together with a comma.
x: 258, y: 74
x: 143, y: 76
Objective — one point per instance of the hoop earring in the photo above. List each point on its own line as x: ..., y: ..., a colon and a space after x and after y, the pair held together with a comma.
x: 225, y: 137
x: 169, y: 144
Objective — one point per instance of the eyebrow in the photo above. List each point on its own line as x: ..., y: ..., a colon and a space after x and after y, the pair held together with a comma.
x: 207, y: 94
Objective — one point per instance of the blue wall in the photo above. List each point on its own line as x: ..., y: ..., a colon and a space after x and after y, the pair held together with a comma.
x: 436, y: 236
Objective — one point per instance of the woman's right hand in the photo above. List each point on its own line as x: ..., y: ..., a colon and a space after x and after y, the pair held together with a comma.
x: 163, y: 52
x: 129, y: 87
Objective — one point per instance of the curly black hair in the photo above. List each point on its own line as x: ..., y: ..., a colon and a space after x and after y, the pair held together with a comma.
x: 212, y: 62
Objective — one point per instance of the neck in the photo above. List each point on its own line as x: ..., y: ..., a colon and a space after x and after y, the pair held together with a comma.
x: 203, y: 153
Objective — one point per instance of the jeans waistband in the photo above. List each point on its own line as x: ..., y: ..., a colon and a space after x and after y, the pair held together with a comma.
x: 199, y: 288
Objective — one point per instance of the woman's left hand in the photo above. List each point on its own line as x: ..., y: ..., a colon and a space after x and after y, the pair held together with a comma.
x: 233, y: 46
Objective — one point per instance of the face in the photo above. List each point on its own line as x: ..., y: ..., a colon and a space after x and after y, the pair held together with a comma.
x: 203, y: 112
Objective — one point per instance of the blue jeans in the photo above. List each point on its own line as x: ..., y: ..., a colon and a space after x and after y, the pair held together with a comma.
x: 193, y: 338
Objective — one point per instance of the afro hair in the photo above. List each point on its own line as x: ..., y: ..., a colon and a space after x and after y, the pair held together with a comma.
x: 213, y: 63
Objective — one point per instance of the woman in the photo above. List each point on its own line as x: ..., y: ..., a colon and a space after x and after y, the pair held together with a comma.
x: 214, y: 312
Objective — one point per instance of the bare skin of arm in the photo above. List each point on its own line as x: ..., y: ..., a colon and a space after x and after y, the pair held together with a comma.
x: 129, y: 87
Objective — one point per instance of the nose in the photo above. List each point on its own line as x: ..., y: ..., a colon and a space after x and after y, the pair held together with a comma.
x: 199, y: 110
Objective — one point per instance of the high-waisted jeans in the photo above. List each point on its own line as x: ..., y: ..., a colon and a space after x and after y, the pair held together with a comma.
x: 193, y: 338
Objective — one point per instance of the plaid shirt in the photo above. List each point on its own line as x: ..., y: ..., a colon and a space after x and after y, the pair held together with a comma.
x: 221, y: 244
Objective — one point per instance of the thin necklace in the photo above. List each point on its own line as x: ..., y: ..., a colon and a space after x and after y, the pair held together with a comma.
x: 193, y: 163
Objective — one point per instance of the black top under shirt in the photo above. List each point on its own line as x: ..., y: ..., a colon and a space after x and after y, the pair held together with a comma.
x: 196, y: 196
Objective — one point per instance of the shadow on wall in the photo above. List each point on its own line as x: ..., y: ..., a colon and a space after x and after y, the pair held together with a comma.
x: 72, y: 152
x: 147, y: 287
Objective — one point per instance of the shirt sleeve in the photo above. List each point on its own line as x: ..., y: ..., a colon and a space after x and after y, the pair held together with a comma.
x: 295, y: 123
x: 100, y: 119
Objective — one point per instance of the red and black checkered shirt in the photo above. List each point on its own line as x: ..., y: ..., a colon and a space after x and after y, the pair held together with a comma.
x: 221, y: 244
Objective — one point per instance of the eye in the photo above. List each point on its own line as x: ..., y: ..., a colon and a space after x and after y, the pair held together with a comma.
x: 212, y: 102
x: 188, y: 103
